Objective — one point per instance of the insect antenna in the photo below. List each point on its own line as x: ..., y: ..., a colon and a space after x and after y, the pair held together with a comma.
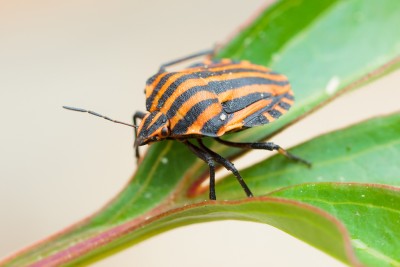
x: 99, y: 115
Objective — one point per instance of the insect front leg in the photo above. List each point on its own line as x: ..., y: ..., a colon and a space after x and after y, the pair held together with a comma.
x: 267, y: 146
x: 138, y: 115
x: 228, y: 165
x: 211, y: 164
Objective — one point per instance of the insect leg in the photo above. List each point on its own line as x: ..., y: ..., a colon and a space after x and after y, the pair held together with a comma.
x: 211, y: 164
x: 179, y: 60
x: 228, y: 165
x: 136, y: 116
x: 265, y: 145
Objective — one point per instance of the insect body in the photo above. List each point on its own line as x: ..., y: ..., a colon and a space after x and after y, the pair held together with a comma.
x: 210, y: 99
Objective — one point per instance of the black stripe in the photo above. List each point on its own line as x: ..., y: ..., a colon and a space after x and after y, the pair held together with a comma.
x: 148, y: 121
x: 226, y: 85
x: 212, y: 126
x: 289, y: 96
x: 256, y: 121
x: 191, y: 116
x: 218, y: 87
x: 256, y: 116
x: 284, y: 105
x: 195, y: 75
x: 145, y: 131
x: 156, y: 124
x: 274, y: 73
x: 239, y: 103
x: 275, y: 113
x: 157, y: 88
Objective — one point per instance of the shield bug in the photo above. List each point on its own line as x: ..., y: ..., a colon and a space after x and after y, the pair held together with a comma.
x: 210, y: 99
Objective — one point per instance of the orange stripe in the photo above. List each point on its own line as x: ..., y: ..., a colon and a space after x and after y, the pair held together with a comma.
x: 251, y: 89
x: 154, y: 119
x: 280, y: 90
x: 287, y: 101
x: 268, y: 116
x: 281, y: 110
x: 193, y: 100
x: 150, y: 87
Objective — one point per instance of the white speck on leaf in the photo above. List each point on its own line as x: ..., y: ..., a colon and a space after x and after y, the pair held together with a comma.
x: 333, y: 85
x: 275, y: 57
x: 359, y: 244
x: 164, y: 160
x: 247, y: 41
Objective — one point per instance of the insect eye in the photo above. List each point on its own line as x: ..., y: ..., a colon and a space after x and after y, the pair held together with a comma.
x: 164, y: 131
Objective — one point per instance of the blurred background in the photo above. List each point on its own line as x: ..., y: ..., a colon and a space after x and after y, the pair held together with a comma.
x: 58, y: 167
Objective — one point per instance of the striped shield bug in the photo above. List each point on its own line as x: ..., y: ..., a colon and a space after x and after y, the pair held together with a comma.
x: 210, y: 99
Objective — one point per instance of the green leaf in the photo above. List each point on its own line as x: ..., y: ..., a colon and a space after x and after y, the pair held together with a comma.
x: 371, y: 214
x: 367, y: 152
x: 300, y: 220
x: 324, y: 47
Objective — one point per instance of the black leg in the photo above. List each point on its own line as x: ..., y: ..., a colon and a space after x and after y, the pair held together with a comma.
x: 138, y: 115
x: 267, y: 146
x: 228, y: 165
x: 209, y: 160
x: 179, y: 60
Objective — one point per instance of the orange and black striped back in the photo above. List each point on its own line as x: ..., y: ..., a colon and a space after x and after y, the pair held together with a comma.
x: 216, y: 97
